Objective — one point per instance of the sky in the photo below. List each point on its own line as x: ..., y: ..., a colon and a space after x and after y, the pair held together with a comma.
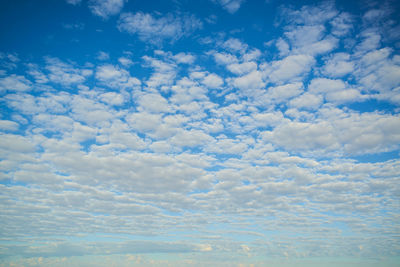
x: 199, y: 133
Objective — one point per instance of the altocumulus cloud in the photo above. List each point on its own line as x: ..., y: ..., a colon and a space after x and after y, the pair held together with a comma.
x: 158, y: 135
x: 155, y: 29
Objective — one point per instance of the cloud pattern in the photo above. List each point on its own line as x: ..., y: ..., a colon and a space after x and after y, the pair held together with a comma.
x: 251, y: 161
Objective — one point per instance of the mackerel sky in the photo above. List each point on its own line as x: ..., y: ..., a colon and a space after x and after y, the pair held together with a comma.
x: 199, y: 133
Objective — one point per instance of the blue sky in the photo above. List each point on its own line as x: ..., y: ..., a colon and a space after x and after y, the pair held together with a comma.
x: 199, y: 133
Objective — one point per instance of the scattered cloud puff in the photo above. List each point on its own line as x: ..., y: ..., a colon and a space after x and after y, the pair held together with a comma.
x: 155, y: 29
x: 126, y: 62
x: 212, y: 81
x: 103, y: 56
x: 290, y: 68
x: 65, y: 73
x: 15, y: 83
x: 106, y: 8
x: 184, y: 58
x: 8, y: 60
x: 115, y: 77
x: 230, y: 5
x: 7, y: 125
x: 338, y: 65
x: 249, y: 81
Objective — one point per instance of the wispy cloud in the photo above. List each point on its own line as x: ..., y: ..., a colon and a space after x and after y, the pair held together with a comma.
x: 15, y: 83
x: 74, y: 2
x: 106, y: 8
x: 65, y: 73
x: 230, y: 5
x: 155, y: 29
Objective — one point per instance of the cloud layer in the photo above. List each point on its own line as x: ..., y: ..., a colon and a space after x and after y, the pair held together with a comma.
x: 217, y: 155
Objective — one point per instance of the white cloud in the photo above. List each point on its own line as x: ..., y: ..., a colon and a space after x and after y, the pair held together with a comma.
x: 126, y: 62
x: 106, y: 8
x: 310, y: 40
x: 160, y: 65
x: 342, y: 24
x: 164, y: 74
x: 312, y: 14
x: 242, y: 68
x: 127, y: 140
x: 184, y: 58
x: 6, y: 125
x: 103, y: 56
x: 307, y: 101
x: 64, y: 73
x: 225, y: 145
x: 323, y: 85
x: 36, y: 73
x: 349, y: 133
x: 253, y: 80
x: 375, y: 57
x: 338, y: 65
x: 375, y: 15
x: 212, y: 81
x: 234, y: 45
x: 116, y: 77
x: 144, y: 122
x: 224, y: 58
x: 90, y: 111
x: 285, y: 92
x: 8, y: 61
x: 377, y: 71
x: 113, y: 98
x: 197, y: 75
x: 303, y: 36
x: 343, y: 96
x: 190, y: 138
x: 230, y: 5
x: 15, y: 83
x: 10, y: 143
x: 267, y: 119
x: 252, y: 54
x: 304, y: 136
x: 154, y: 30
x: 289, y: 68
x: 161, y: 147
x: 153, y: 103
x: 334, y: 90
x: 53, y: 123
x: 371, y: 41
x: 24, y: 103
x: 283, y: 47
x: 187, y: 91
